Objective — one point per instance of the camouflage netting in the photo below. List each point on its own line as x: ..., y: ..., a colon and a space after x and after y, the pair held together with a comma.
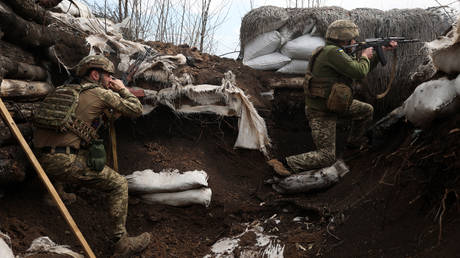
x: 425, y: 25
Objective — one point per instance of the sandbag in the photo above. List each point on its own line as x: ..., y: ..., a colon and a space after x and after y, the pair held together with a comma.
x: 287, y: 33
x: 302, y: 47
x: 5, y: 249
x: 294, y: 67
x: 147, y: 181
x: 195, y: 196
x: 312, y: 179
x: 263, y: 44
x: 271, y: 61
x: 431, y: 99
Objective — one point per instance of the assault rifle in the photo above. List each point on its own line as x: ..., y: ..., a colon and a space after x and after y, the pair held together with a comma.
x: 132, y: 69
x: 377, y: 44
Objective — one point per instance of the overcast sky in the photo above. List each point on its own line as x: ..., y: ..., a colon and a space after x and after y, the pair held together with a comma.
x: 228, y: 34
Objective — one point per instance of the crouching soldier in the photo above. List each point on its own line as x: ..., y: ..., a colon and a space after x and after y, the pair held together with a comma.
x: 330, y: 74
x: 70, y: 150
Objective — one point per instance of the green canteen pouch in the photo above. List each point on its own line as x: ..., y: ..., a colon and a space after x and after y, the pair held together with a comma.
x: 96, y: 155
x: 340, y: 98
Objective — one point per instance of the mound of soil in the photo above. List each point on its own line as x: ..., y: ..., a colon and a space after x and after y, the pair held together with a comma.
x: 399, y: 199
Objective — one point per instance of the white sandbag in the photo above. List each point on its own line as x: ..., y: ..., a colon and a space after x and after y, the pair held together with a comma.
x: 287, y: 33
x: 5, y: 249
x: 271, y: 61
x: 195, y: 196
x: 147, y: 181
x: 263, y: 44
x: 311, y: 180
x: 75, y: 8
x: 431, y: 99
x: 46, y: 245
x: 302, y: 47
x: 294, y: 67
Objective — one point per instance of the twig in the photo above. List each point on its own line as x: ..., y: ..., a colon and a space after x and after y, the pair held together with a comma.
x: 229, y: 53
x: 377, y: 160
x: 430, y: 155
x: 382, y: 179
x: 415, y: 199
x: 329, y: 232
x: 443, y: 205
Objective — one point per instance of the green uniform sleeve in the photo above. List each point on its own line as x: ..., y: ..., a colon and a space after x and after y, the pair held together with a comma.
x: 347, y: 66
x: 123, y: 101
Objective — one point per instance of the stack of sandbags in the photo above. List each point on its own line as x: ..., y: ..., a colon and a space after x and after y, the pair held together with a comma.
x: 299, y: 50
x: 262, y: 52
x: 171, y: 187
x: 266, y: 52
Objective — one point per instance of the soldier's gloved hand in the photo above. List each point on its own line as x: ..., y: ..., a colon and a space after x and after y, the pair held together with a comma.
x: 368, y: 52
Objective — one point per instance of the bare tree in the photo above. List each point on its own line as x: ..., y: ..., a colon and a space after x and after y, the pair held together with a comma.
x: 191, y: 22
x: 204, y: 20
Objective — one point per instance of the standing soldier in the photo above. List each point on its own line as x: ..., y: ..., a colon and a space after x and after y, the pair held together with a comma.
x: 68, y: 146
x: 330, y: 74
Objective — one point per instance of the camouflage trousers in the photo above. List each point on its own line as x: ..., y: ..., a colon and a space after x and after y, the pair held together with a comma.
x: 71, y: 168
x: 323, y: 131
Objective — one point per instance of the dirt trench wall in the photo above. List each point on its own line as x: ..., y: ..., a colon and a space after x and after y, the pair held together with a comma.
x: 35, y: 50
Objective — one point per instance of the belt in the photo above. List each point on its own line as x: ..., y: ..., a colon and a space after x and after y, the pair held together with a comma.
x: 66, y: 149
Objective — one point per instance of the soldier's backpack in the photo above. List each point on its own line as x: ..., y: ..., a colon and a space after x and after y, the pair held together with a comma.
x: 57, y: 112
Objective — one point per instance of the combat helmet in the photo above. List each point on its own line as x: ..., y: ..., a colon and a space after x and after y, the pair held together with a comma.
x: 344, y: 30
x: 94, y: 62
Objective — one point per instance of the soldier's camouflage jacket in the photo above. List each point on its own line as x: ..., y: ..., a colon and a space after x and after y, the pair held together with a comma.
x: 92, y: 104
x: 333, y: 63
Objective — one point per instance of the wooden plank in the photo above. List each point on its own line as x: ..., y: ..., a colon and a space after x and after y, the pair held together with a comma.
x: 286, y: 83
x: 49, y: 186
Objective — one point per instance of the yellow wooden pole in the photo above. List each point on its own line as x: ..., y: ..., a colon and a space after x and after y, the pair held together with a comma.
x: 41, y: 173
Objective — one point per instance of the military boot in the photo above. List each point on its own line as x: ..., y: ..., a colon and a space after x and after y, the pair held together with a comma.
x: 279, y: 167
x: 128, y: 246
